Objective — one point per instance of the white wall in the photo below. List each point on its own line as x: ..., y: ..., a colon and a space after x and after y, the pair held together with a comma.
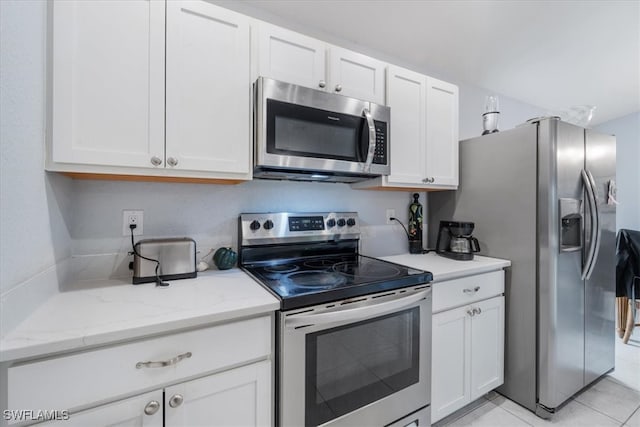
x: 627, y: 132
x: 35, y: 207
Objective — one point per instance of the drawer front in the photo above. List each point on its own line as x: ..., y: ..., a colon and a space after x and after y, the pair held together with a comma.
x: 457, y: 292
x: 80, y: 379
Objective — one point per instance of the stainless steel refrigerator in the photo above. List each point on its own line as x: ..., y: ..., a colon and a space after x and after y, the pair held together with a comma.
x: 542, y: 195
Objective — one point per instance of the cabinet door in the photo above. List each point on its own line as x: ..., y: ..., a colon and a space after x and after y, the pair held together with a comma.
x: 450, y: 362
x: 406, y: 97
x: 355, y: 75
x: 487, y: 346
x: 239, y: 397
x: 108, y: 82
x: 208, y: 121
x: 124, y: 413
x: 442, y: 133
x: 290, y: 57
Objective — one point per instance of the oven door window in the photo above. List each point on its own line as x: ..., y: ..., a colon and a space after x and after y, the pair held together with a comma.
x: 310, y: 132
x: 351, y: 366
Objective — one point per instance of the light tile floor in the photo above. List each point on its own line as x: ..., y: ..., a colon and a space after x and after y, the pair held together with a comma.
x: 614, y: 400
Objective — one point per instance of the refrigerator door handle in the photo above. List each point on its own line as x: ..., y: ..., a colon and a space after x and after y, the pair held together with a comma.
x: 587, y: 268
x: 594, y: 195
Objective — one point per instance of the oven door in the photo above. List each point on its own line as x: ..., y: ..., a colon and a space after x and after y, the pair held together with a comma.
x: 356, y: 363
x: 298, y: 128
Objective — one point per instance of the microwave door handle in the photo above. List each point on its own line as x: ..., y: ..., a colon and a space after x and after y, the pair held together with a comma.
x: 372, y: 141
x: 354, y: 314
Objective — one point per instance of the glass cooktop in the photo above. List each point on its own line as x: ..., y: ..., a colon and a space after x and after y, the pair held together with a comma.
x: 309, y: 281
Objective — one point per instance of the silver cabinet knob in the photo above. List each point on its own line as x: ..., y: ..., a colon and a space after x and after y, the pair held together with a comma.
x: 176, y: 400
x: 152, y: 407
x: 172, y: 161
x: 471, y: 313
x: 322, y: 83
x: 477, y: 311
x: 156, y: 161
x: 338, y: 88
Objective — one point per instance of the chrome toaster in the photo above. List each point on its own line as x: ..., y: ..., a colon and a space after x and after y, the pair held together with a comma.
x: 177, y: 258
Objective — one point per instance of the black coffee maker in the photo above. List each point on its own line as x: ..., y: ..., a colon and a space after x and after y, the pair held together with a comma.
x: 455, y: 240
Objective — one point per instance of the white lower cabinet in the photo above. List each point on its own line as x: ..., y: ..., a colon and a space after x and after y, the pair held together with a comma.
x: 220, y: 375
x: 467, y: 347
x: 239, y: 397
x: 144, y: 410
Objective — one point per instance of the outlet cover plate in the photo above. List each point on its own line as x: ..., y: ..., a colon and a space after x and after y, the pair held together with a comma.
x: 132, y: 217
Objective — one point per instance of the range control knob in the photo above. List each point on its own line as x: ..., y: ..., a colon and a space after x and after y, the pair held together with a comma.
x: 255, y: 225
x: 341, y: 222
x: 351, y: 222
x: 268, y: 224
x: 331, y: 222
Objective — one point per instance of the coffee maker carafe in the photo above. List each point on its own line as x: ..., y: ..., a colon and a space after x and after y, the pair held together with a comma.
x: 455, y: 240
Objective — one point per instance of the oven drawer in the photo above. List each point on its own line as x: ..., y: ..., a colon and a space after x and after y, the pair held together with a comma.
x: 80, y: 379
x: 457, y: 292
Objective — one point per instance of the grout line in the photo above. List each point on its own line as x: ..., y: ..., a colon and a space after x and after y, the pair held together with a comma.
x: 631, y: 416
x: 515, y: 415
x: 594, y: 409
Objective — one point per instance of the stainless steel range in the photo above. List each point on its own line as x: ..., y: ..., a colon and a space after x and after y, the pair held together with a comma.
x: 354, y: 332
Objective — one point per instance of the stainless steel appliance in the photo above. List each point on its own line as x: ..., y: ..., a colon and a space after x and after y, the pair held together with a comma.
x: 541, y: 196
x: 166, y: 259
x: 310, y: 135
x: 455, y: 240
x: 354, y: 332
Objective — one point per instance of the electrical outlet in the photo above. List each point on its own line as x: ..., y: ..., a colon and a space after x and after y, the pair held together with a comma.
x: 132, y: 217
x: 391, y: 213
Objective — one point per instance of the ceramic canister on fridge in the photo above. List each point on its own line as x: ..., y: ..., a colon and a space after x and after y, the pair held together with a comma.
x: 415, y: 225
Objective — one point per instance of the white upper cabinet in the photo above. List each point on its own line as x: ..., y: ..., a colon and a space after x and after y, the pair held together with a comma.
x: 424, y: 133
x: 442, y: 133
x: 288, y: 56
x: 112, y: 101
x: 356, y: 75
x: 294, y: 58
x: 108, y: 82
x: 208, y: 91
x: 406, y: 96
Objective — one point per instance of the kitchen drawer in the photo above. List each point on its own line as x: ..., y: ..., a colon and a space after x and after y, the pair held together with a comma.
x: 80, y: 379
x: 457, y: 292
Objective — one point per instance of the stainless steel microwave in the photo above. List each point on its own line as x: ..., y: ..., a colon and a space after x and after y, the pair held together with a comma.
x: 310, y: 135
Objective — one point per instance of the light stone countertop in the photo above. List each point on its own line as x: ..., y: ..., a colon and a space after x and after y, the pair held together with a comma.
x: 446, y: 269
x: 111, y: 311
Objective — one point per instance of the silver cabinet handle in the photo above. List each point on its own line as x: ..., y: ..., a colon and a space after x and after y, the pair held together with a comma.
x: 471, y: 313
x: 156, y: 161
x: 338, y: 88
x: 471, y: 291
x: 176, y: 400
x: 477, y: 310
x: 164, y: 363
x: 322, y: 83
x: 152, y: 407
x: 172, y: 161
x: 372, y: 141
x: 429, y: 180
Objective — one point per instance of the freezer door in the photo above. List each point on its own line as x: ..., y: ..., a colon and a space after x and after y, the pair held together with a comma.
x: 599, y: 337
x: 560, y: 287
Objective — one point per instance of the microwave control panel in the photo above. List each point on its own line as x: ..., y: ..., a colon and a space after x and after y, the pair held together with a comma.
x: 380, y: 154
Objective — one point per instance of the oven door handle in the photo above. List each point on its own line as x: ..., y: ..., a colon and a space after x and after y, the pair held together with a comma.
x: 372, y: 141
x: 359, y: 313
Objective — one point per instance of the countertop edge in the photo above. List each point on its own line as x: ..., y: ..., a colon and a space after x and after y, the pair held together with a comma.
x: 140, y: 332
